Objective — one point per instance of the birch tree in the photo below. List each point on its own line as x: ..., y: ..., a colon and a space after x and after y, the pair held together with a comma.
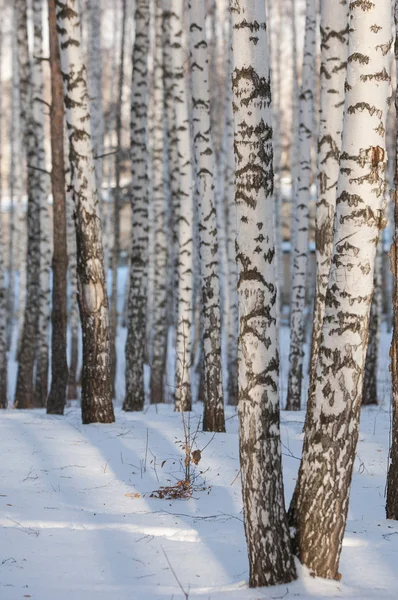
x: 3, y: 298
x: 369, y: 395
x: 41, y: 383
x: 160, y: 218
x: 93, y: 301
x: 319, y: 508
x: 136, y: 333
x: 334, y: 47
x: 213, y: 416
x: 301, y: 215
x: 266, y: 528
x: 32, y: 138
x: 392, y: 478
x: 59, y: 365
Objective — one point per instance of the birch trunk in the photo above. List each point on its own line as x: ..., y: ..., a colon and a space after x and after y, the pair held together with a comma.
x: 213, y: 416
x: 319, y: 508
x: 93, y: 302
x: 183, y: 394
x: 3, y: 298
x: 301, y: 215
x: 392, y: 478
x: 136, y: 334
x: 160, y: 221
x: 266, y: 528
x: 334, y: 47
x: 59, y: 365
x: 41, y: 383
x: 117, y: 202
x: 32, y: 135
x: 369, y: 395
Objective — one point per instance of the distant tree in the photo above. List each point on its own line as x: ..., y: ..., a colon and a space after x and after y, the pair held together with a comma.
x: 267, y: 534
x: 137, y: 313
x: 3, y: 297
x: 93, y: 301
x: 59, y: 365
x: 318, y: 512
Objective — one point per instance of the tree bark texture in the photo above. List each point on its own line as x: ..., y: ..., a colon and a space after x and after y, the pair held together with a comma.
x: 266, y: 527
x: 136, y: 333
x: 319, y: 507
x: 93, y: 301
x: 301, y: 215
x: 59, y: 365
x: 3, y: 296
x: 204, y: 164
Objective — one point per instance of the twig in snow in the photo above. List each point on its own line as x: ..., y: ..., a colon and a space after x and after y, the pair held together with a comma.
x: 27, y: 530
x: 175, y: 574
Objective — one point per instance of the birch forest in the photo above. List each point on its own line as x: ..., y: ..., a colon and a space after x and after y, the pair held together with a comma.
x: 198, y: 299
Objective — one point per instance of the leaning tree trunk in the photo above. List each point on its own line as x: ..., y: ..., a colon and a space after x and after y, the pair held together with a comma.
x: 33, y: 142
x: 59, y: 365
x: 3, y: 298
x: 185, y: 216
x: 41, y: 383
x: 93, y: 301
x: 267, y: 532
x: 136, y: 329
x: 334, y: 47
x: 160, y: 222
x: 301, y: 215
x: 213, y: 416
x: 318, y: 512
x: 392, y: 478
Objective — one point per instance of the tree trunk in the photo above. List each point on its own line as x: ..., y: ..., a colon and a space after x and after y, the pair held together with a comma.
x: 136, y: 332
x: 33, y: 135
x: 319, y: 508
x: 41, y: 383
x: 3, y: 298
x: 369, y: 395
x: 392, y: 478
x: 301, y: 215
x: 93, y: 301
x: 213, y: 416
x: 334, y: 47
x: 160, y: 220
x: 59, y: 365
x: 266, y: 528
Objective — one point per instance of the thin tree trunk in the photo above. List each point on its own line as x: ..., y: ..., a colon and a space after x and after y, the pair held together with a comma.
x: 117, y: 200
x: 266, y: 528
x: 59, y: 365
x: 392, y: 478
x: 318, y: 512
x: 41, y: 383
x: 93, y: 301
x: 301, y: 215
x: 369, y: 395
x: 213, y: 416
x: 160, y: 221
x: 32, y: 132
x: 137, y: 313
x: 3, y: 297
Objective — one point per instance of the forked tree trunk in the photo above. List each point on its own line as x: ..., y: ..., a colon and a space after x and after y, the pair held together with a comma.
x: 59, y: 365
x: 136, y: 330
x: 334, y: 48
x: 41, y: 382
x: 392, y: 478
x: 267, y: 533
x: 160, y: 219
x: 301, y: 215
x: 213, y: 416
x: 93, y: 301
x: 32, y: 134
x: 318, y: 512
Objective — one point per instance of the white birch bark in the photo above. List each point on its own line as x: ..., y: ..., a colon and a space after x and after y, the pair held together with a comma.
x: 319, y: 507
x: 266, y: 528
x: 204, y: 164
x: 3, y: 297
x: 160, y: 199
x: 301, y: 215
x: 334, y: 48
x: 93, y: 302
x: 137, y: 306
x: 370, y: 395
x: 45, y: 245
